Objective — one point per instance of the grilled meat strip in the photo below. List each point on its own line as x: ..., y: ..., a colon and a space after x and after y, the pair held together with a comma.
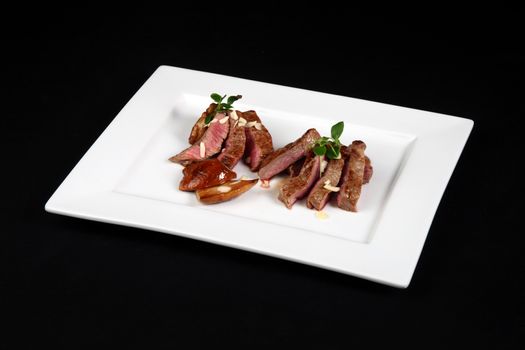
x: 369, y: 169
x: 289, y: 154
x: 235, y: 143
x: 295, y: 168
x: 200, y: 127
x: 212, y: 141
x: 297, y: 187
x: 352, y: 179
x: 319, y: 195
x: 259, y: 143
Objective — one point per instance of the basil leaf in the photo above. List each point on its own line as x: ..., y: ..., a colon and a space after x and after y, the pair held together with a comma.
x: 332, y: 153
x: 216, y: 97
x: 337, y: 130
x: 232, y: 99
x: 319, y: 150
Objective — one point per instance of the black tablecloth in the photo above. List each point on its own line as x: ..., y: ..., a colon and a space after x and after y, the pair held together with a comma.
x: 80, y: 284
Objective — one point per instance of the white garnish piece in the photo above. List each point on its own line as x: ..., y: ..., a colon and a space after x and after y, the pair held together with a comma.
x: 265, y: 183
x: 242, y: 121
x: 234, y: 115
x: 224, y: 120
x: 213, y: 121
x: 324, y: 163
x: 321, y: 215
x: 202, y: 149
x: 327, y: 182
x: 331, y: 188
x: 224, y: 189
x: 254, y: 124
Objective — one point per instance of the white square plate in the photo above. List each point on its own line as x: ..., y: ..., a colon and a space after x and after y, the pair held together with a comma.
x: 125, y: 177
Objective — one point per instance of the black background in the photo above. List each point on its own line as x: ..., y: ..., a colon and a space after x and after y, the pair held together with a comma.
x: 79, y: 284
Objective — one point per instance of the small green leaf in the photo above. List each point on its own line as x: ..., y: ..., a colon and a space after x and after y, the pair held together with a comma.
x: 232, y: 99
x: 337, y: 130
x: 226, y: 106
x: 332, y: 152
x: 322, y: 141
x: 319, y: 150
x: 216, y: 97
x: 209, y: 118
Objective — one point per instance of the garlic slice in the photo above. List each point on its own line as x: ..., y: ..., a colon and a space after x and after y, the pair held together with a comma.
x: 223, y: 120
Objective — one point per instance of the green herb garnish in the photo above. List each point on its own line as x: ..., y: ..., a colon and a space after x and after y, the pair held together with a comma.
x: 221, y: 106
x: 330, y: 146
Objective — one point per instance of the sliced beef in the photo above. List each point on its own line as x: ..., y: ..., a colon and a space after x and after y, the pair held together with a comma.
x: 235, y: 143
x: 259, y: 142
x: 295, y: 168
x: 212, y: 141
x: 352, y: 177
x: 200, y: 127
x: 319, y: 194
x: 204, y: 174
x: 289, y: 154
x: 369, y: 169
x: 297, y: 187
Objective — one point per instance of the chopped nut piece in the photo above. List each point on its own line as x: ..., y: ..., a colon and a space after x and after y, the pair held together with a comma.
x: 324, y: 163
x: 331, y: 188
x: 202, y: 150
x: 242, y: 121
x: 224, y: 188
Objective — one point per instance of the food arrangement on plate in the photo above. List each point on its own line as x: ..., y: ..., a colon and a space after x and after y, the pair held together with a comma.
x: 319, y: 168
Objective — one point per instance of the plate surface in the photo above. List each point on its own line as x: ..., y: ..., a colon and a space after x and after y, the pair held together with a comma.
x: 125, y: 177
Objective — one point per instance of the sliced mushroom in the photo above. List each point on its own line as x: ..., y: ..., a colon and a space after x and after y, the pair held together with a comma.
x: 224, y: 192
